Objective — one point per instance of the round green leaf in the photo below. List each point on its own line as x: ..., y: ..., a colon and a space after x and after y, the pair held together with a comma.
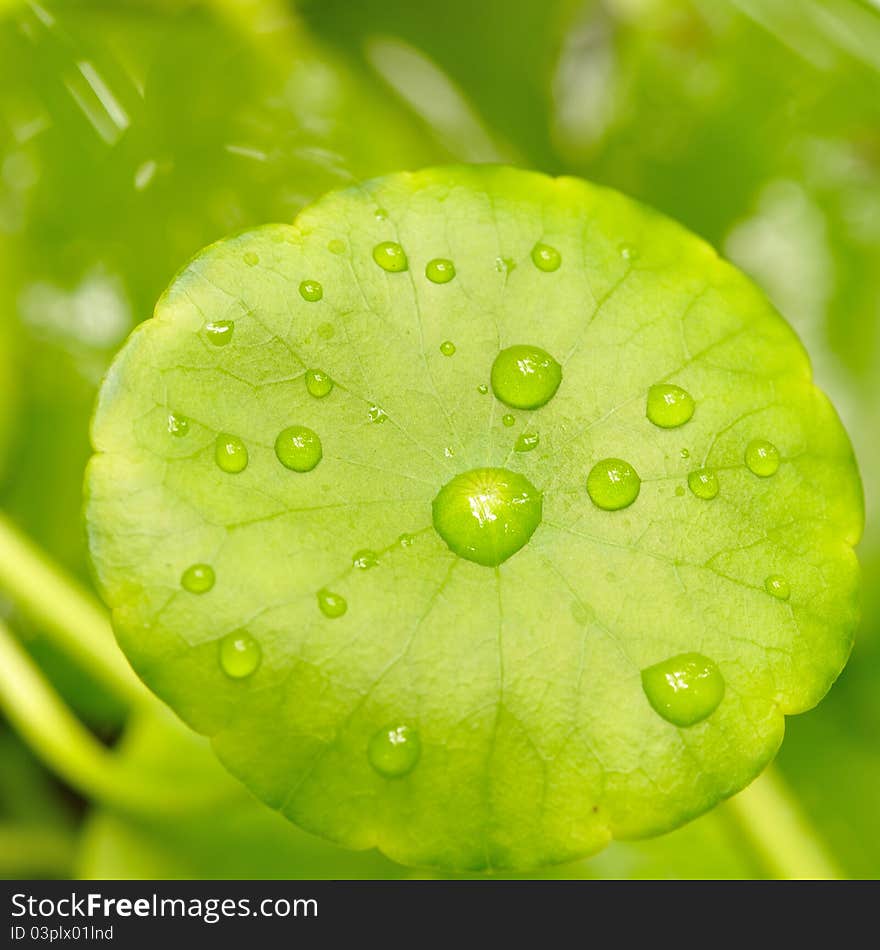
x: 509, y: 697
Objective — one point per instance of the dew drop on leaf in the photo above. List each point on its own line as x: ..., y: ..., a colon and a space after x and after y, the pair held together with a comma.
x: 525, y: 377
x: 251, y: 259
x: 777, y: 586
x: 336, y: 246
x: 331, y: 605
x: 365, y: 559
x: 684, y: 689
x: 703, y: 483
x: 178, y: 425
x: 318, y: 383
x: 669, y: 406
x: 508, y: 420
x: 326, y: 331
x: 390, y: 256
x: 440, y: 270
x: 198, y: 578
x: 394, y: 751
x: 483, y: 389
x: 230, y: 453
x: 406, y: 540
x: 447, y: 348
x: 298, y: 448
x: 613, y: 484
x: 377, y: 414
x: 546, y: 258
x: 240, y: 654
x: 762, y: 458
x: 525, y: 442
x: 219, y: 332
x: 311, y: 290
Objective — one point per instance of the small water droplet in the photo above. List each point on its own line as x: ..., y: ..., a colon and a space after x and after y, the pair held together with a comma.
x: 406, y: 540
x: 219, y: 332
x: 440, y: 270
x: 669, y: 406
x: 390, y: 256
x: 311, y: 290
x: 679, y: 490
x: 326, y: 331
x: 331, y: 605
x: 684, y: 689
x: 526, y: 442
x: 685, y: 453
x: 613, y: 484
x: 394, y: 751
x: 251, y: 259
x: 240, y: 654
x: 448, y: 452
x: 703, y: 483
x: 505, y: 265
x: 447, y: 348
x: 778, y: 586
x: 762, y: 458
x: 298, y: 448
x: 198, y: 578
x: 525, y: 377
x: 508, y: 420
x: 377, y: 414
x: 178, y: 425
x: 482, y: 389
x: 230, y: 453
x: 365, y: 559
x: 336, y: 246
x: 546, y: 258
x: 318, y: 383
x: 628, y: 252
x: 380, y: 214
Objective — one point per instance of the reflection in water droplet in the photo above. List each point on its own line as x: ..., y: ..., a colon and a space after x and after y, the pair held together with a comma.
x: 390, y: 256
x: 546, y: 258
x: 230, y: 453
x: 219, y: 332
x: 613, y: 484
x: 377, y: 414
x: 508, y: 420
x: 447, y: 348
x: 526, y: 442
x: 685, y: 689
x: 298, y: 448
x: 525, y: 377
x: 240, y: 654
x: 177, y: 425
x: 318, y: 383
x: 394, y: 751
x: 487, y: 514
x: 778, y: 586
x: 440, y: 271
x: 251, y: 259
x: 198, y: 578
x: 762, y: 458
x: 311, y: 290
x: 365, y: 559
x: 331, y: 605
x: 669, y: 406
x: 703, y: 483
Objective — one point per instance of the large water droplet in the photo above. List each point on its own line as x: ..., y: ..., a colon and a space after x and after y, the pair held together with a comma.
x: 525, y: 377
x: 390, y: 256
x: 331, y: 605
x: 230, y: 453
x: 669, y: 406
x: 613, y: 484
x: 762, y: 458
x: 684, y: 689
x: 447, y: 348
x: 394, y: 751
x: 365, y: 559
x: 311, y: 290
x: 526, y: 442
x: 440, y: 271
x: 240, y: 654
x: 298, y: 448
x: 703, y: 483
x: 546, y: 258
x: 487, y: 514
x: 778, y: 587
x: 219, y: 332
x: 318, y: 383
x: 198, y: 578
x: 178, y: 425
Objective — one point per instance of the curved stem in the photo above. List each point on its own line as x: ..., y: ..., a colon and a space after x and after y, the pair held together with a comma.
x: 76, y: 622
x: 65, y: 746
x: 779, y: 833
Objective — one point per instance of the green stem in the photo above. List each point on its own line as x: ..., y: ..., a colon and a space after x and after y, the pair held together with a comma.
x: 39, y: 715
x: 77, y: 624
x: 779, y: 833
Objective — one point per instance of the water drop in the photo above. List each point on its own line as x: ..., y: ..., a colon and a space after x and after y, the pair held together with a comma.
x: 377, y: 414
x: 482, y: 389
x: 525, y: 377
x: 546, y: 258
x: 487, y: 514
x: 778, y: 586
x: 380, y: 214
x: 219, y: 331
x: 394, y: 751
x: 198, y: 578
x: 298, y: 448
x: 505, y: 265
x: 669, y: 406
x: 448, y: 452
x: 240, y: 654
x: 685, y: 453
x: 679, y: 491
x: 703, y: 483
x: 613, y: 484
x: 318, y: 383
x: 326, y: 331
x: 762, y: 458
x: 336, y: 246
x: 440, y: 271
x: 230, y: 453
x: 508, y: 420
x: 406, y: 540
x: 526, y: 442
x: 251, y: 259
x: 311, y: 290
x: 390, y: 256
x: 331, y: 605
x: 447, y: 348
x: 177, y: 425
x: 365, y: 559
x: 628, y: 252
x: 684, y: 689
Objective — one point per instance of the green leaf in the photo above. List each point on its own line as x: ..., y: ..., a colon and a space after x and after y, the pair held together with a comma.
x: 487, y: 710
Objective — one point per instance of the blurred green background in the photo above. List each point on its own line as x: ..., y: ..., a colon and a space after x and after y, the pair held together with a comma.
x: 132, y: 133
